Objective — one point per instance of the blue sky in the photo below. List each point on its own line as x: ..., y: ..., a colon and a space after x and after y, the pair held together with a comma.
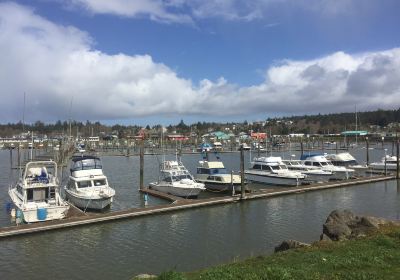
x: 162, y: 61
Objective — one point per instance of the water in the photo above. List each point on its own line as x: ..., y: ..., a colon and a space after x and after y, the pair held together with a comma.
x: 186, y: 240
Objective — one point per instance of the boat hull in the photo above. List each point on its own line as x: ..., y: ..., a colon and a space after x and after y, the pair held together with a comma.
x: 221, y: 187
x: 52, y: 213
x: 85, y: 203
x: 186, y: 192
x: 273, y: 179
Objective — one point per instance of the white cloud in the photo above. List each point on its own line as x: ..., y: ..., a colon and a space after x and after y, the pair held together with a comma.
x: 188, y: 11
x: 54, y: 63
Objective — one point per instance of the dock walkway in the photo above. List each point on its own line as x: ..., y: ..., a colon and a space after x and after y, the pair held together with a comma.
x: 179, y: 204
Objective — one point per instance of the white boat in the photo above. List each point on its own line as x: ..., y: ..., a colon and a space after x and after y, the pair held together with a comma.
x: 88, y: 187
x: 37, y: 193
x: 347, y: 160
x: 321, y: 162
x: 389, y: 161
x: 271, y: 170
x: 313, y: 175
x: 216, y: 178
x: 175, y: 179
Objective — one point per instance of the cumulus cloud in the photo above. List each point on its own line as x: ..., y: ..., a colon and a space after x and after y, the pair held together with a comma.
x: 54, y: 63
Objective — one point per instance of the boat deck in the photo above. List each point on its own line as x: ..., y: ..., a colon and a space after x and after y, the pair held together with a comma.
x: 179, y: 204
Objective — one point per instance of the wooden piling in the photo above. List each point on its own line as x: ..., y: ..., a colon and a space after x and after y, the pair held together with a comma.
x: 241, y: 173
x: 397, y: 157
x: 367, y: 149
x: 141, y: 184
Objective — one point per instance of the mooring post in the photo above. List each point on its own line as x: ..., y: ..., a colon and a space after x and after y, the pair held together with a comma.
x: 397, y: 158
x: 241, y: 173
x: 336, y: 146
x: 367, y: 148
x: 232, y: 185
x: 301, y: 147
x: 11, y: 158
x: 141, y: 185
x: 385, y: 166
x: 19, y: 157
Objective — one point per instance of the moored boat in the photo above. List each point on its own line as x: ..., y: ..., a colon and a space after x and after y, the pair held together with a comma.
x: 88, y: 187
x: 37, y: 193
x: 216, y: 178
x: 271, y: 170
x: 175, y: 179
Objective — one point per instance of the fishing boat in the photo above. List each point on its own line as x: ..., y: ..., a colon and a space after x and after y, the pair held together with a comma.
x: 313, y: 175
x: 216, y: 178
x: 87, y: 187
x: 271, y: 170
x: 317, y: 161
x: 37, y: 193
x: 175, y: 179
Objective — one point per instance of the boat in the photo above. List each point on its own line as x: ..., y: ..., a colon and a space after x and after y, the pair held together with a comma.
x: 271, y: 170
x: 216, y: 178
x: 205, y: 147
x: 175, y: 179
x: 87, y: 187
x: 389, y: 161
x: 317, y: 161
x: 37, y: 193
x: 313, y: 175
x: 347, y: 160
x: 244, y: 147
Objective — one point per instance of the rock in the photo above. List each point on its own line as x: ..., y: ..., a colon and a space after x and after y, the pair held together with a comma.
x: 336, y: 230
x: 290, y: 244
x: 324, y: 237
x: 145, y: 276
x: 343, y: 224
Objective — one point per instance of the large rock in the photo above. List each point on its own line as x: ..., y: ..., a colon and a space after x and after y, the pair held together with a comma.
x: 290, y: 244
x: 343, y: 224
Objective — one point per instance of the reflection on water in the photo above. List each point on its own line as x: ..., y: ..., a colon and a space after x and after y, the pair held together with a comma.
x: 184, y: 240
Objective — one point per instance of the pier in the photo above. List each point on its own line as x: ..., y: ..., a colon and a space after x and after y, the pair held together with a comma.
x: 179, y: 204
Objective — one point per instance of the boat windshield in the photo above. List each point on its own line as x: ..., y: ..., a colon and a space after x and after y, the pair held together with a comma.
x: 86, y: 164
x: 283, y: 166
x: 324, y: 163
x: 84, y: 184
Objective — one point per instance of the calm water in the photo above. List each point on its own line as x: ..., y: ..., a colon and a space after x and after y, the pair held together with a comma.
x: 182, y: 240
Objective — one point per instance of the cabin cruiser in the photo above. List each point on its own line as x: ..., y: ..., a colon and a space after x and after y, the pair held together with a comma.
x: 88, y: 187
x: 320, y: 162
x: 37, y: 193
x: 271, y: 170
x: 313, y: 175
x: 389, y: 161
x: 347, y: 160
x: 215, y: 177
x: 175, y: 179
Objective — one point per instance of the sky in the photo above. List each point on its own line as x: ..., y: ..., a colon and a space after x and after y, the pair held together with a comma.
x: 160, y: 61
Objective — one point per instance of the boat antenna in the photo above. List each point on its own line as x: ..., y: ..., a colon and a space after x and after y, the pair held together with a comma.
x: 23, y: 115
x: 70, y: 119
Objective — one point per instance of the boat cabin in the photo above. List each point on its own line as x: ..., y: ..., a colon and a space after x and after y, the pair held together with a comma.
x: 211, y: 168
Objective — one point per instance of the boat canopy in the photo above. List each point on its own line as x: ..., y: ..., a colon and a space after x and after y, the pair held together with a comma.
x: 85, y: 163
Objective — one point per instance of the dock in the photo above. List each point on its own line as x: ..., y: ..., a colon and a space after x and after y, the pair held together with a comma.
x: 80, y: 219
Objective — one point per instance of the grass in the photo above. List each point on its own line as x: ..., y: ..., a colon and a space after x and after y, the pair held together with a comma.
x: 376, y: 256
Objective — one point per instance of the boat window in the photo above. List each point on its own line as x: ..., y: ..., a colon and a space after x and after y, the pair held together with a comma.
x: 19, y: 189
x: 100, y: 182
x: 257, y: 166
x: 168, y: 179
x: 84, y: 184
x: 324, y: 163
x: 316, y: 164
x: 203, y: 171
x: 184, y: 176
x: 210, y: 178
x: 283, y: 166
x: 274, y: 167
x: 71, y: 185
x: 29, y: 194
x: 218, y: 179
x: 307, y: 163
x: 39, y: 194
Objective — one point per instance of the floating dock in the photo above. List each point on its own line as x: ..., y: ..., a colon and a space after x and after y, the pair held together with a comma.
x: 79, y: 219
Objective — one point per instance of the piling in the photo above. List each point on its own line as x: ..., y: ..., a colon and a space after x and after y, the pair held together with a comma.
x: 141, y: 184
x: 11, y: 158
x: 301, y: 147
x: 367, y: 149
x: 241, y: 173
x: 232, y: 185
x: 397, y: 158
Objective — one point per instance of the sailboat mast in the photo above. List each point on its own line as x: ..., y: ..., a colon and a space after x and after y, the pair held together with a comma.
x: 355, y: 109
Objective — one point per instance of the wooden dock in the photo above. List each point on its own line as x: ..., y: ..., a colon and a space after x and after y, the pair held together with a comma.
x: 178, y: 205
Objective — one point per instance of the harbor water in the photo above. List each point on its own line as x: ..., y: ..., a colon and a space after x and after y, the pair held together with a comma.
x: 186, y: 240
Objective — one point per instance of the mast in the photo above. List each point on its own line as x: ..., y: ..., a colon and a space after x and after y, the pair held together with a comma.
x: 355, y: 109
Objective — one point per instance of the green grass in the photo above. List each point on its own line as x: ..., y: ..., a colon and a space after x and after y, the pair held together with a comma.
x: 374, y: 257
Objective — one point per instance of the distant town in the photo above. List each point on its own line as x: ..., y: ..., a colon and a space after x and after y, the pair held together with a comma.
x: 379, y: 123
